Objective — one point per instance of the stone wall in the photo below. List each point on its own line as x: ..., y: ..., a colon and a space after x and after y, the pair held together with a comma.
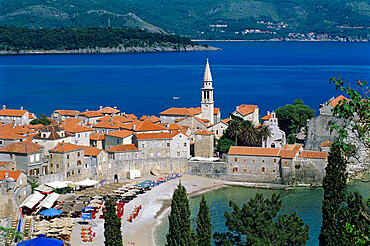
x: 11, y: 199
x: 51, y: 178
x: 218, y: 170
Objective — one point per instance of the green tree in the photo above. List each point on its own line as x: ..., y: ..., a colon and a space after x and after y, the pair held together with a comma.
x: 257, y: 223
x: 42, y: 120
x: 223, y: 144
x: 250, y: 134
x: 204, y: 227
x: 179, y: 231
x: 264, y: 133
x: 344, y: 222
x: 112, y: 225
x: 235, y: 128
x: 293, y: 117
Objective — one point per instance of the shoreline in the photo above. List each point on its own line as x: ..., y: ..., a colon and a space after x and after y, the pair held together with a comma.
x: 116, y: 50
x: 272, y: 40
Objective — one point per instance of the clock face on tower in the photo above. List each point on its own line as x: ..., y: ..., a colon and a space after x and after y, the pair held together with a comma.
x: 205, y: 106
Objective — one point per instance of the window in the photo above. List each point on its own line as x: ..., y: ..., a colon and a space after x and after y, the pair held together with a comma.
x: 168, y: 145
x: 99, y: 168
x: 44, y: 135
x: 32, y: 158
x: 67, y: 156
x: 57, y: 165
x: 184, y: 144
x: 78, y: 163
x: 51, y: 164
x: 79, y: 171
x: 78, y: 153
x: 178, y: 145
x: 275, y: 160
x: 73, y: 172
x: 236, y: 159
x: 245, y: 170
x: 86, y: 165
x: 263, y: 169
x: 67, y: 164
x: 68, y: 174
x: 1, y: 142
x: 143, y: 146
x: 168, y: 154
x: 136, y: 156
x: 216, y: 132
x: 178, y: 154
x: 263, y: 161
x: 37, y: 157
x: 286, y: 162
x: 118, y: 141
x: 235, y: 169
x: 273, y: 170
x: 244, y: 160
x: 254, y: 161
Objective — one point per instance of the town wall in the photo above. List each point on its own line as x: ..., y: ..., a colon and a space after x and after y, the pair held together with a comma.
x: 217, y: 170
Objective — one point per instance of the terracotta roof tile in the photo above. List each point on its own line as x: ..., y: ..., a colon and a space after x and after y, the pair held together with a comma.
x: 5, y: 163
x: 67, y: 112
x: 97, y: 136
x: 288, y: 154
x: 227, y: 120
x: 326, y: 143
x: 216, y: 110
x: 10, y: 136
x: 145, y: 126
x: 22, y: 130
x: 91, y: 151
x: 336, y: 100
x: 246, y: 109
x: 313, y: 155
x: 122, y: 148
x: 91, y: 114
x: 203, y: 132
x: 71, y: 121
x: 160, y: 135
x: 182, y: 111
x: 109, y: 125
x: 24, y: 147
x: 109, y: 110
x: 253, y: 151
x: 130, y: 116
x: 12, y: 112
x: 11, y: 174
x: 77, y: 128
x: 150, y: 118
x: 65, y: 147
x: 120, y: 134
x: 267, y: 117
x: 294, y: 147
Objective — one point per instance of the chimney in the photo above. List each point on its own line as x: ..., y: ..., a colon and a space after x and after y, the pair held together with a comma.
x: 21, y: 107
x: 87, y: 110
x: 100, y: 107
x: 115, y: 107
x: 4, y: 106
x: 133, y: 127
x: 268, y: 112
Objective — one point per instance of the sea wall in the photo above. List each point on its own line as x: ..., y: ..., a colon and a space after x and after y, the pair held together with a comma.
x: 218, y: 170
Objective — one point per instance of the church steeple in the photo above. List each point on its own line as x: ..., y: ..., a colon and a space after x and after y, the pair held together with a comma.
x: 207, y: 103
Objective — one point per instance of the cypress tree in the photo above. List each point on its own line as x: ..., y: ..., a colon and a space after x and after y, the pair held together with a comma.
x: 112, y: 225
x: 204, y: 227
x: 334, y: 185
x: 179, y: 231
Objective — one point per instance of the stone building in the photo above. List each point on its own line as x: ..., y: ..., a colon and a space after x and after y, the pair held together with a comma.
x: 27, y: 157
x: 248, y: 112
x: 172, y: 114
x: 194, y: 123
x: 277, y: 138
x: 204, y: 144
x: 81, y: 134
x: 62, y: 115
x: 7, y: 165
x: 9, y: 137
x: 16, y: 116
x: 68, y: 159
x: 97, y: 140
x: 219, y: 128
x: 90, y: 117
x: 118, y: 138
x: 95, y: 162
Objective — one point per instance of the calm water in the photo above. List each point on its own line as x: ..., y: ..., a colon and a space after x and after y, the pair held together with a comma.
x: 306, y: 202
x: 269, y: 74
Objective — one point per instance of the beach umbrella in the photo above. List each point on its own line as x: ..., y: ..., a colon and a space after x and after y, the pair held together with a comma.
x: 41, y: 241
x: 51, y: 212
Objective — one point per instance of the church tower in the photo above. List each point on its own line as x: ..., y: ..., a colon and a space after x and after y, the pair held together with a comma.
x: 207, y: 103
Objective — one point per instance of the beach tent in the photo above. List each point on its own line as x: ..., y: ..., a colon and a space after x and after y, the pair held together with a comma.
x: 51, y: 212
x: 41, y: 241
x: 57, y: 185
x: 86, y: 182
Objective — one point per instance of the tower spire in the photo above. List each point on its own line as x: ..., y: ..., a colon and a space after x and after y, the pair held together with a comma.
x: 207, y: 73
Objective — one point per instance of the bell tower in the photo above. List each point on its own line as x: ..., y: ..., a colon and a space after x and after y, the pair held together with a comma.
x: 207, y: 103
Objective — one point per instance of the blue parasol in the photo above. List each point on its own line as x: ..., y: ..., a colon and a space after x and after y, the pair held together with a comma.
x: 51, y: 212
x: 41, y: 241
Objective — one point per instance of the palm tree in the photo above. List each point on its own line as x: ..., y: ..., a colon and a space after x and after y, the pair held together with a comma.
x: 250, y: 134
x: 264, y: 133
x: 235, y: 128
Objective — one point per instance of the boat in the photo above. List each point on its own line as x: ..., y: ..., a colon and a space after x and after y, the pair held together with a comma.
x: 176, y: 98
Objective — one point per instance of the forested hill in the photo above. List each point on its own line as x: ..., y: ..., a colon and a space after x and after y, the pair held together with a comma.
x: 201, y: 19
x: 90, y: 40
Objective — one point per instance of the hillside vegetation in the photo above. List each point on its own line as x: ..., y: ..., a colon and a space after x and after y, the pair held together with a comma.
x: 208, y: 19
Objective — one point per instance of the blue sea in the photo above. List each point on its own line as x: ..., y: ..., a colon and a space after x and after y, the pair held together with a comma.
x: 267, y: 74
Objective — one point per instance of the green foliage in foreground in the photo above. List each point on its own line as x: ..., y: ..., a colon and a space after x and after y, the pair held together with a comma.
x: 179, y: 231
x: 257, y: 223
x: 112, y: 225
x: 18, y: 38
x: 204, y: 227
x: 42, y: 120
x: 12, y: 234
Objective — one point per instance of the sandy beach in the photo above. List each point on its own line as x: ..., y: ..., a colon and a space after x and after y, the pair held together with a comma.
x: 155, y: 205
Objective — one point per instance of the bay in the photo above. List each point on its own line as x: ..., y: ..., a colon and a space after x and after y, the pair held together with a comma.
x: 306, y: 202
x: 268, y: 74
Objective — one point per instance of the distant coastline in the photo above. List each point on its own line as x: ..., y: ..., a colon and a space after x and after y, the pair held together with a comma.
x: 116, y: 50
x: 272, y: 40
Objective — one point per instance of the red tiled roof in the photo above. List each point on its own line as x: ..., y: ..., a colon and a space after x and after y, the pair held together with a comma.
x: 181, y: 111
x: 145, y: 126
x: 97, y: 136
x: 5, y: 163
x: 130, y: 116
x: 203, y: 132
x: 120, y: 134
x: 91, y: 114
x: 108, y: 125
x: 24, y: 147
x: 10, y: 136
x: 11, y: 174
x: 160, y: 135
x: 336, y: 100
x: 253, y: 151
x: 65, y: 147
x: 246, y: 109
x: 288, y: 154
x: 150, y: 118
x: 12, y: 112
x: 216, y: 110
x: 109, y: 110
x: 91, y: 151
x: 123, y: 147
x: 51, y: 128
x: 67, y: 112
x: 313, y: 155
x: 294, y: 147
x: 77, y: 128
x: 71, y: 121
x: 226, y: 120
x: 22, y: 130
x: 267, y: 117
x: 326, y: 143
